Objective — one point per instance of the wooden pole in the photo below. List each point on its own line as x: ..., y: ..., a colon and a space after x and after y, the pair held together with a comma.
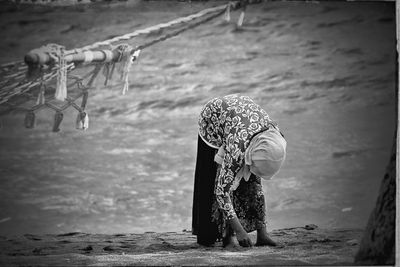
x: 37, y: 57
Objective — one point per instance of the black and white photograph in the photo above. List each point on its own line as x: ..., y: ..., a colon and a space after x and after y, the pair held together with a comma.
x: 198, y: 133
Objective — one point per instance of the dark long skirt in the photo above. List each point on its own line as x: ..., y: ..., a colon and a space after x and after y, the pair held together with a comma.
x: 209, y: 223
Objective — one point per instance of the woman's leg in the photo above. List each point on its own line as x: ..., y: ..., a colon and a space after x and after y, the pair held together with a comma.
x: 249, y: 204
x: 203, y: 195
x: 263, y: 238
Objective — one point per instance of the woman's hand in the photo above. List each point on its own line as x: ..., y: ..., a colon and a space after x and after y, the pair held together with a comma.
x: 244, y: 239
x: 241, y: 235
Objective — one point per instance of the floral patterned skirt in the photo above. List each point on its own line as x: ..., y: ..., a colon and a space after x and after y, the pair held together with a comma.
x: 249, y: 203
x: 208, y: 221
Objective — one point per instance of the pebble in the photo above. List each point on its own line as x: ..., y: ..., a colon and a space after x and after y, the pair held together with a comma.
x: 108, y: 248
x: 352, y: 242
x: 347, y: 209
x: 88, y: 248
x: 310, y: 227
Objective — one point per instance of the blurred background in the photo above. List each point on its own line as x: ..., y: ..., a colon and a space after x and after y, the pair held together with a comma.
x: 324, y: 71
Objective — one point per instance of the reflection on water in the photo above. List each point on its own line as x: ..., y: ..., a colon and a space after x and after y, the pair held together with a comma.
x: 314, y: 68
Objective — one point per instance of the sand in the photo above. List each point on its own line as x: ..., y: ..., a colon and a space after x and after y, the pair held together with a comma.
x: 296, y: 246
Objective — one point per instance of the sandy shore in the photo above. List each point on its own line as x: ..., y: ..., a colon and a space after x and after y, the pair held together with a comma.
x: 297, y: 246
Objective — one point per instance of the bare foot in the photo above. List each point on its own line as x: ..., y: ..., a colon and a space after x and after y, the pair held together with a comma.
x: 265, y: 240
x: 230, y: 243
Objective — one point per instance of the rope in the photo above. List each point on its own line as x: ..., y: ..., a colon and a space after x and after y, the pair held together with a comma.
x: 11, y: 64
x: 146, y: 31
x: 131, y: 35
x: 20, y: 88
x: 190, y: 26
x: 156, y: 28
x: 54, y: 65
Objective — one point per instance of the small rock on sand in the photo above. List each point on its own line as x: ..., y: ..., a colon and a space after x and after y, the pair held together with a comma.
x: 352, y: 242
x: 310, y: 227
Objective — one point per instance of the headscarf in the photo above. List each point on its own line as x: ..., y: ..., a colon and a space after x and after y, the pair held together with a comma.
x: 265, y: 155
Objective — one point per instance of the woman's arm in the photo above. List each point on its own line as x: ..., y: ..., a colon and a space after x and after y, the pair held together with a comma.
x: 236, y: 131
x: 224, y: 183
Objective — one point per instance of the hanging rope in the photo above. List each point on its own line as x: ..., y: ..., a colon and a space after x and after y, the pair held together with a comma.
x: 54, y: 62
x: 161, y: 26
x: 173, y: 34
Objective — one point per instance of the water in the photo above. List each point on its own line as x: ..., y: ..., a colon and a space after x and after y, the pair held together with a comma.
x: 325, y: 72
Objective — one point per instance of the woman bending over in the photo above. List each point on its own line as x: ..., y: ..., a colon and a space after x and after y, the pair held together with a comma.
x: 238, y: 145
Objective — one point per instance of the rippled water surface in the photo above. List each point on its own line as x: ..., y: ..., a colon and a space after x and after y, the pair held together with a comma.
x: 325, y: 72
